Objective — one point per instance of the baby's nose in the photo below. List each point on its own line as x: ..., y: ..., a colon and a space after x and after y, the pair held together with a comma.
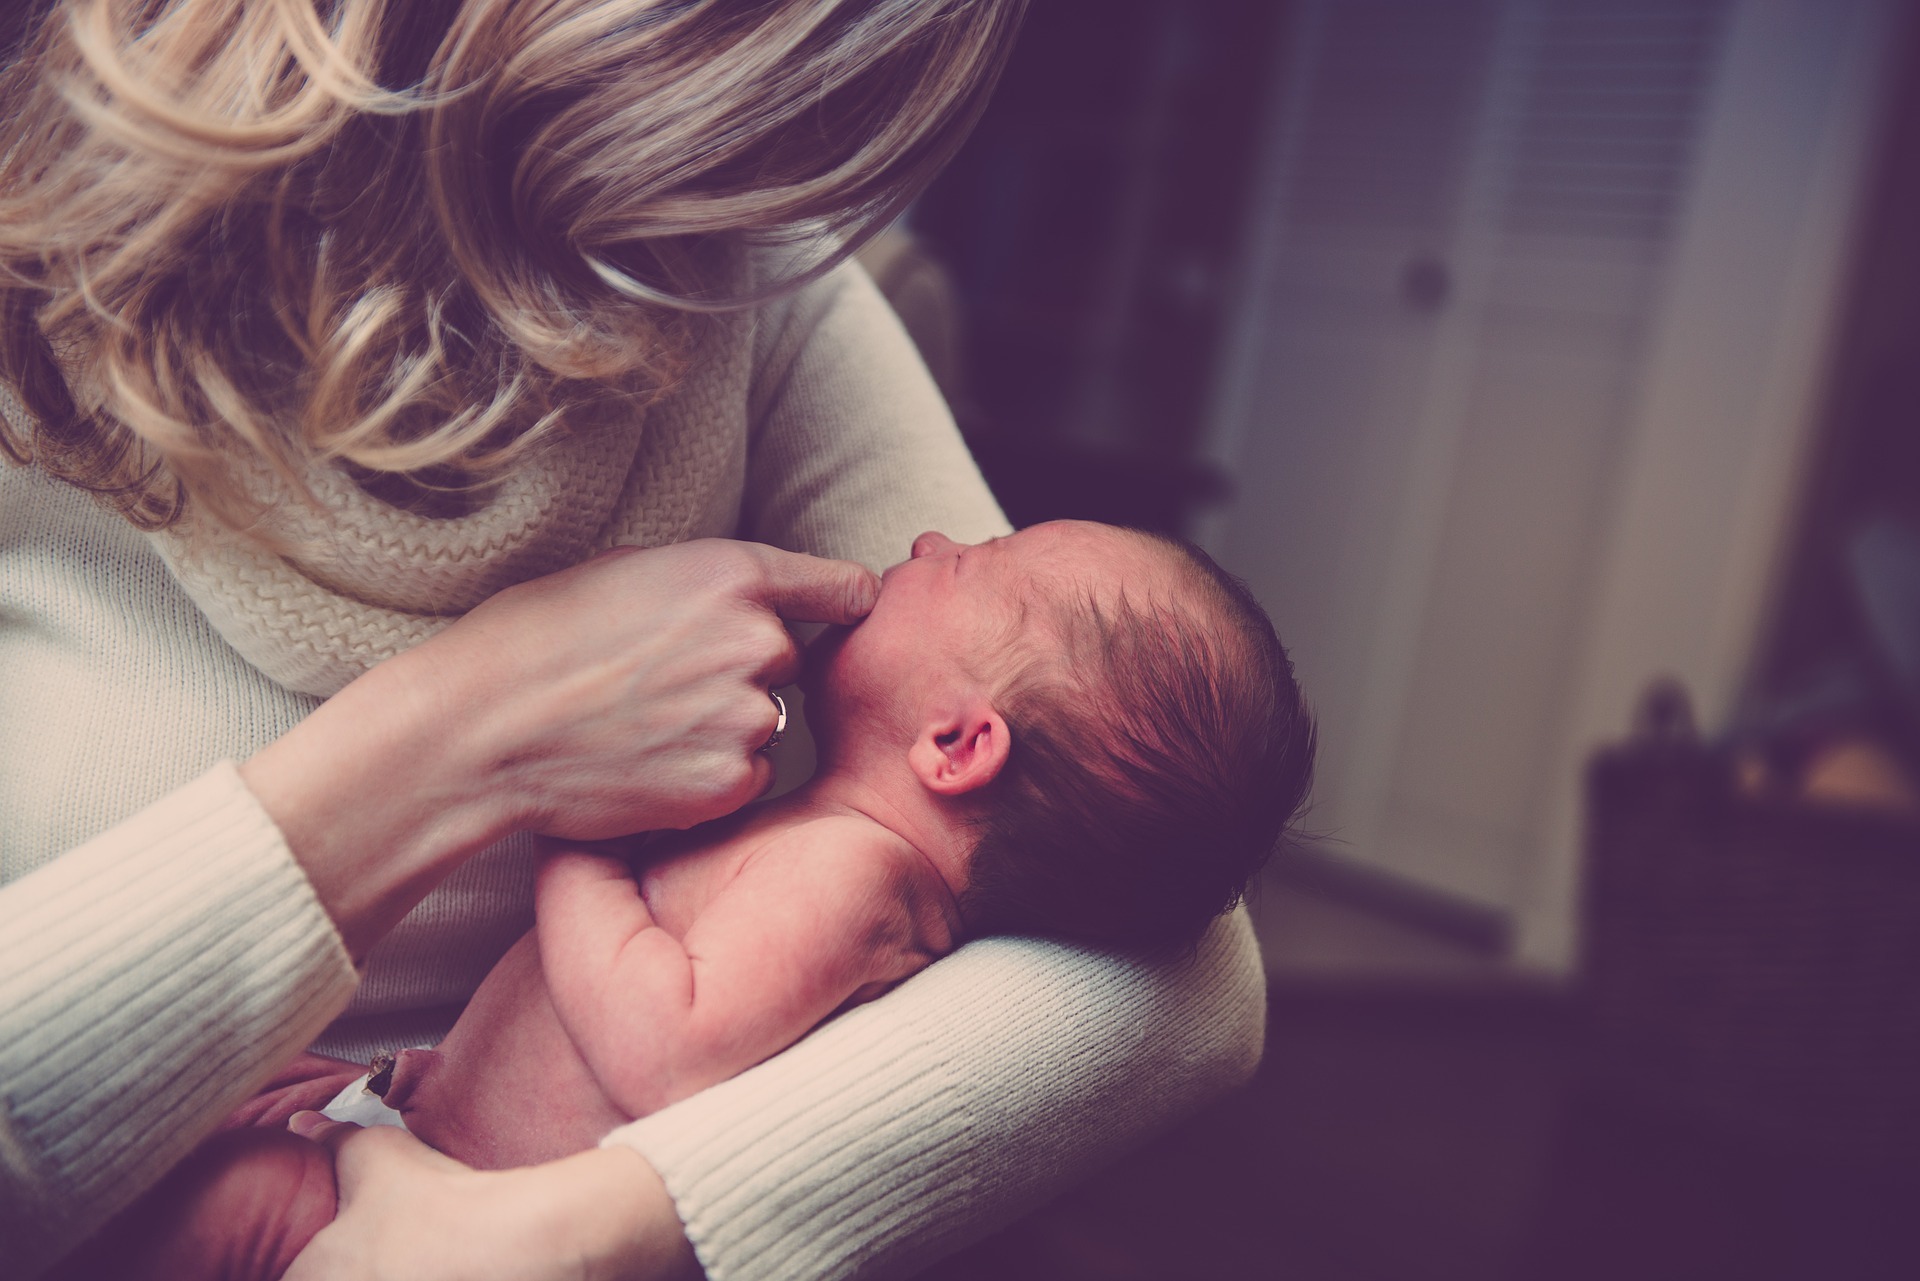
x: 932, y: 543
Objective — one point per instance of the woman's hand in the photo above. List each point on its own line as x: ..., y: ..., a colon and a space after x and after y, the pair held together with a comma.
x: 407, y: 1213
x: 624, y: 694
x: 631, y: 692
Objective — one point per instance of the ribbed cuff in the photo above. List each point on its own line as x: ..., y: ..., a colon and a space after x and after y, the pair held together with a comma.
x: 149, y: 981
x: 743, y: 1160
x: 955, y: 1103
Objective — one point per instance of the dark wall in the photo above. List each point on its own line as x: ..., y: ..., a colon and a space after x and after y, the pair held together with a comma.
x: 1825, y: 648
x: 1091, y: 223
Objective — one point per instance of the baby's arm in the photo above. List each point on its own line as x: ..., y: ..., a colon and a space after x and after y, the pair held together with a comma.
x: 808, y: 922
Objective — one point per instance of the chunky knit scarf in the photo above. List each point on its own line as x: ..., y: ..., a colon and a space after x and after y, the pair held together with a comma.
x: 369, y: 580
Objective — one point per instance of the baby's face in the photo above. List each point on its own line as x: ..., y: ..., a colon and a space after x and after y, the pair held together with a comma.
x: 954, y: 608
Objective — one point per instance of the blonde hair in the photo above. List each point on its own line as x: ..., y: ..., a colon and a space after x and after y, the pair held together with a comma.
x: 418, y: 237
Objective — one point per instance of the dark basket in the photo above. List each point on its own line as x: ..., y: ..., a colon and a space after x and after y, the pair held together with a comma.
x: 1752, y: 963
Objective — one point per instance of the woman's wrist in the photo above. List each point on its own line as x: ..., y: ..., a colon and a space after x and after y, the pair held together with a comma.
x: 378, y: 798
x: 612, y: 1207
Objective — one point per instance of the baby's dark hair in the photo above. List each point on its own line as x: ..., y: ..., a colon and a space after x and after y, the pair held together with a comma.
x: 1157, y: 758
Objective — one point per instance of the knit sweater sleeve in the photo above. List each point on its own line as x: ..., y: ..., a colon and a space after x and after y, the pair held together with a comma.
x: 150, y: 980
x: 908, y: 1127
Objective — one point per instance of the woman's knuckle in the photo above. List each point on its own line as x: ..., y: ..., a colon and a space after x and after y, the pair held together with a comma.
x: 726, y: 782
x: 752, y: 719
x: 771, y: 641
x: 732, y: 574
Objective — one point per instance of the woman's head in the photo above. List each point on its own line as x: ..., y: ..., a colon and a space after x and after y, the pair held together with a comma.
x: 417, y: 236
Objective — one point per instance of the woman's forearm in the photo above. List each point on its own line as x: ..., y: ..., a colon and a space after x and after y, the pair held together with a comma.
x: 150, y: 980
x: 971, y: 1093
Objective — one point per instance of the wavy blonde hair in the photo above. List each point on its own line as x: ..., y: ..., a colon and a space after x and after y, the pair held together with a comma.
x: 418, y: 237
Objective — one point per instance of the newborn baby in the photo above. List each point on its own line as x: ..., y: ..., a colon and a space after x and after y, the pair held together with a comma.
x: 1077, y: 731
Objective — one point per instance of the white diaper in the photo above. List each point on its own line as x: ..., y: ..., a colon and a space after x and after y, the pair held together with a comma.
x: 361, y: 1106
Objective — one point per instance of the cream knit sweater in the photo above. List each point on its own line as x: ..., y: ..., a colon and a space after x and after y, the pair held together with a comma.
x: 161, y: 952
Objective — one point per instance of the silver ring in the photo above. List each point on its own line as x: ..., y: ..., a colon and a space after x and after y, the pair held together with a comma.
x: 779, y: 726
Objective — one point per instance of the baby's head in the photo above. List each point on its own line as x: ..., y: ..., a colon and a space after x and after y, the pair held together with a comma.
x: 1110, y: 712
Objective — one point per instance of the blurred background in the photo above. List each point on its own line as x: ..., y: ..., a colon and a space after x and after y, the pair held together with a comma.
x: 1549, y: 369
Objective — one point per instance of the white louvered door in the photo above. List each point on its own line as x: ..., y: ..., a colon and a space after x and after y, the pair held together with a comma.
x: 1481, y: 221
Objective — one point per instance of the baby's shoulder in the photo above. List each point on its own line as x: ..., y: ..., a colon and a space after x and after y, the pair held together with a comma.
x: 839, y: 846
x: 862, y: 865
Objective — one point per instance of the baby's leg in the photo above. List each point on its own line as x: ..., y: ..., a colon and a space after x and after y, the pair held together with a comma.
x: 241, y: 1205
x: 307, y: 1084
x: 238, y: 1209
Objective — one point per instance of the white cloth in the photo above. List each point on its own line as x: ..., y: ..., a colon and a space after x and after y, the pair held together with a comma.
x: 357, y: 1105
x: 161, y: 952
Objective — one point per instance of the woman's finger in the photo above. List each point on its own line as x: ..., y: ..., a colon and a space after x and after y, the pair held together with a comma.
x: 327, y: 1133
x: 807, y: 589
x: 353, y: 1146
x: 764, y: 776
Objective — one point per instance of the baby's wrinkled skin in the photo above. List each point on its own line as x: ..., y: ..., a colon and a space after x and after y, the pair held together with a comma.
x: 735, y: 940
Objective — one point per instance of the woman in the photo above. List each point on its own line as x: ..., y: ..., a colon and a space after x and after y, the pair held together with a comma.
x: 333, y: 390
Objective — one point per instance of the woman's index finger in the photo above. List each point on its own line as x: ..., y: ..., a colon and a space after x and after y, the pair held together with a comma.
x: 811, y: 589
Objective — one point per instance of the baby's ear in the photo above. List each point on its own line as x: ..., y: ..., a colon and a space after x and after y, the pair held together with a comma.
x: 960, y: 752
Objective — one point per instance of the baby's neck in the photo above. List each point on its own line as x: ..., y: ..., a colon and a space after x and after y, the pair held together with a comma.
x: 902, y: 808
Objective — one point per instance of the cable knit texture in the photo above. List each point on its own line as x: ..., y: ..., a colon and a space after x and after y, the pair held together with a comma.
x: 161, y: 953
x: 365, y: 581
